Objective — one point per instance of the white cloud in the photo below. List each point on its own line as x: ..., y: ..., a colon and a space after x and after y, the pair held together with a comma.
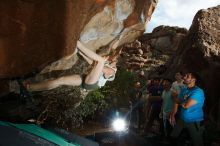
x: 178, y: 12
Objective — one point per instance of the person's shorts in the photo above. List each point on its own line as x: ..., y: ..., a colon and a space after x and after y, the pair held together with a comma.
x: 88, y: 86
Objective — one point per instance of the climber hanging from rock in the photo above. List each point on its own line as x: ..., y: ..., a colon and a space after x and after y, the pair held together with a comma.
x: 103, y: 70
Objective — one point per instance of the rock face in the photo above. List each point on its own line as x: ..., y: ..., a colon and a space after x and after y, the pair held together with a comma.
x: 35, y: 33
x: 169, y: 49
x: 153, y: 50
x: 41, y: 35
x: 200, y: 52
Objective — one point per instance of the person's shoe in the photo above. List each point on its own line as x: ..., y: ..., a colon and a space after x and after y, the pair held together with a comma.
x: 24, y: 93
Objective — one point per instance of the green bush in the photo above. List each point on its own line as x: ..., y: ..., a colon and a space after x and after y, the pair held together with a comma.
x: 102, y: 99
x: 119, y: 88
x: 93, y: 103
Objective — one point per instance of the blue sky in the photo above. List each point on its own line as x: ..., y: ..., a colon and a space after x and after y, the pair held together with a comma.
x: 177, y: 12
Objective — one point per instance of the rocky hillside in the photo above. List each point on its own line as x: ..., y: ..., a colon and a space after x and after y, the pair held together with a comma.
x: 170, y: 49
x: 152, y: 50
x: 200, y: 52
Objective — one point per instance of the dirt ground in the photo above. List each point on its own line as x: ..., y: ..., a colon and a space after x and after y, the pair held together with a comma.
x: 92, y: 127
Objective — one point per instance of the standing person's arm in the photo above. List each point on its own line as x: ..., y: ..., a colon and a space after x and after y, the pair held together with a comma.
x: 176, y: 102
x: 189, y: 103
x: 196, y: 96
x: 175, y: 97
x: 173, y: 113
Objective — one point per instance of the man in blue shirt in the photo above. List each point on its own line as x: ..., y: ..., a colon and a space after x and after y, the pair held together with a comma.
x: 191, y: 100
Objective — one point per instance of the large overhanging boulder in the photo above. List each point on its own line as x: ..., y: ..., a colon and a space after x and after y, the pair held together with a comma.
x: 41, y: 35
x: 36, y: 33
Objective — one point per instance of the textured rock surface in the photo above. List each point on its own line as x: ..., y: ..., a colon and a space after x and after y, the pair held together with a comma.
x: 42, y: 35
x: 154, y: 49
x: 200, y: 52
x: 195, y: 50
x: 34, y: 33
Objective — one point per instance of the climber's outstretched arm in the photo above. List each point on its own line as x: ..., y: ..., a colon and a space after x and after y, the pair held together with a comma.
x: 91, y: 56
x: 90, y: 61
x: 89, y: 53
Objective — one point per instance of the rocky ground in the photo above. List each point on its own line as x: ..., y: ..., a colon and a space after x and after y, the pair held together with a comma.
x: 105, y: 136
